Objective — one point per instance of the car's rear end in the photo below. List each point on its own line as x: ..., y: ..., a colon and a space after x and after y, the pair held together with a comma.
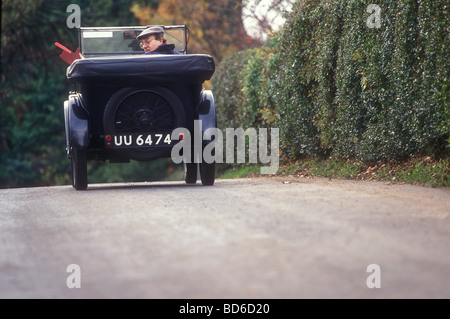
x: 126, y: 106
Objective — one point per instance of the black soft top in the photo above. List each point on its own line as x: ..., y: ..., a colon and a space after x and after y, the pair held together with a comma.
x: 142, y: 70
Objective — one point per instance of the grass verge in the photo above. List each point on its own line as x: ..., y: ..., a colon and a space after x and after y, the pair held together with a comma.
x: 423, y: 171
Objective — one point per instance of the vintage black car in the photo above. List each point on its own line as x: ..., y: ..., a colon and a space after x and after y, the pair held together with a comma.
x: 126, y: 104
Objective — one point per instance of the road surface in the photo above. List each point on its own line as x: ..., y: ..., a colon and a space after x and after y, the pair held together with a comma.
x: 269, y: 237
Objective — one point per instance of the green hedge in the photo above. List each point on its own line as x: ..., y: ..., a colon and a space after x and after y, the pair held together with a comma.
x: 335, y: 86
x: 239, y: 86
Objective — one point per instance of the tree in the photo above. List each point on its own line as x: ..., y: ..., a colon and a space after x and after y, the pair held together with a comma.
x: 263, y: 17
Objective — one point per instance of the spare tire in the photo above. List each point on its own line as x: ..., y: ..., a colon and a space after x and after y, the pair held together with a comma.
x: 143, y: 110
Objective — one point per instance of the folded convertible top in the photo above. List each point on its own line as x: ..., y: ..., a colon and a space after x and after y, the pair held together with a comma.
x: 142, y: 70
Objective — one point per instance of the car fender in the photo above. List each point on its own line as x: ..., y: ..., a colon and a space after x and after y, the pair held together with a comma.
x: 206, y: 111
x: 76, y: 122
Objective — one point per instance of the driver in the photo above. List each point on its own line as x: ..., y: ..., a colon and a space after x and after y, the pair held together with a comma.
x: 153, y: 42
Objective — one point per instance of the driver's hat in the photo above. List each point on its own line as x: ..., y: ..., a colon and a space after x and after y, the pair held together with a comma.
x: 150, y: 31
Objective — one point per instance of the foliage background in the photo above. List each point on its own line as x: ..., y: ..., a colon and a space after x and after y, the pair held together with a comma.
x: 34, y: 86
x: 331, y: 84
x: 334, y: 86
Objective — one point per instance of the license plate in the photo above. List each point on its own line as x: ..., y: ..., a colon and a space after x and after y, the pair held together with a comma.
x: 137, y: 140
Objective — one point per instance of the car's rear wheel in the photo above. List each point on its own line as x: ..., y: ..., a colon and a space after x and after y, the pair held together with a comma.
x: 79, y: 169
x: 142, y: 110
x: 207, y: 173
x: 190, y: 173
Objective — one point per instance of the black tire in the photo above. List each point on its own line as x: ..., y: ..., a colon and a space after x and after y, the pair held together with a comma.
x: 79, y: 169
x: 207, y: 173
x: 190, y: 173
x: 146, y: 110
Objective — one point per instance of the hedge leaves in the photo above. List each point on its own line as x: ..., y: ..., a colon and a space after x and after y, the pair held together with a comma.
x: 335, y: 84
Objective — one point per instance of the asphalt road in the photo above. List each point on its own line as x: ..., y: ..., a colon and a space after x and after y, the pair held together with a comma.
x: 247, y: 238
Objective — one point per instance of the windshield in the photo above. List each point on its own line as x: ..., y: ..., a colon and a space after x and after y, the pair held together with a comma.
x: 109, y: 41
